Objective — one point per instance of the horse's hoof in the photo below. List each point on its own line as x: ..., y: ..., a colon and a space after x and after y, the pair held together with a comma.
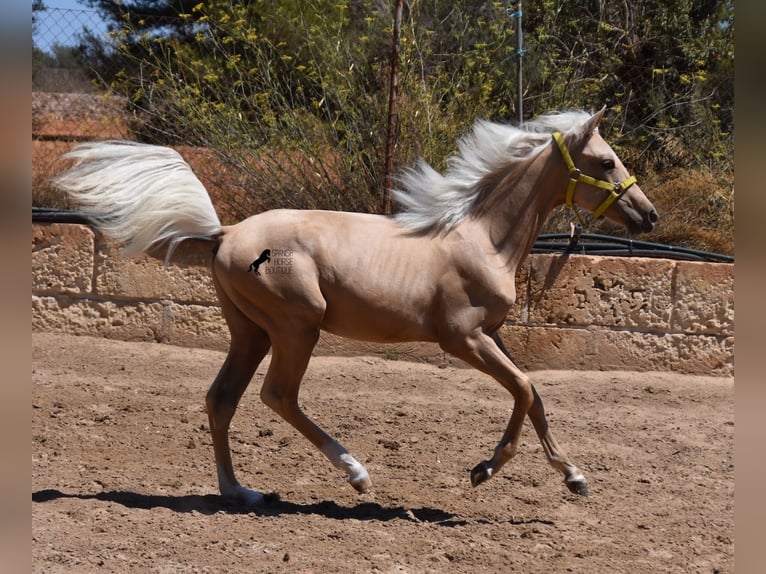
x: 244, y: 496
x: 578, y: 486
x: 362, y: 484
x: 480, y: 473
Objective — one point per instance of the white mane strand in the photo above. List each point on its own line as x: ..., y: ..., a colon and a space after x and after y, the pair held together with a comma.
x: 433, y: 201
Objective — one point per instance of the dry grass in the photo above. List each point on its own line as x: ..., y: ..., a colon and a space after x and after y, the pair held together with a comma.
x: 696, y: 209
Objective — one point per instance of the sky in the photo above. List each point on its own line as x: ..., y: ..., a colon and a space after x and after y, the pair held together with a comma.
x: 74, y: 4
x: 63, y: 21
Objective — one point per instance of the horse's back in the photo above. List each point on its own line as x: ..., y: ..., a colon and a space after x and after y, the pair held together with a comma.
x: 287, y: 232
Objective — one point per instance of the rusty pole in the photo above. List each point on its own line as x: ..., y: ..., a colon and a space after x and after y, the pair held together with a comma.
x: 393, y: 114
x: 519, y: 75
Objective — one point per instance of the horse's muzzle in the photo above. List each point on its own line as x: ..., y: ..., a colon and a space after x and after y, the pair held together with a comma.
x: 642, y: 222
x: 649, y: 220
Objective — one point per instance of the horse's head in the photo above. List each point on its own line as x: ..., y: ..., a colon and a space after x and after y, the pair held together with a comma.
x: 599, y: 182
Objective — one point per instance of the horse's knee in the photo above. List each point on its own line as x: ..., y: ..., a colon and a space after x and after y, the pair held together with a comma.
x: 523, y: 397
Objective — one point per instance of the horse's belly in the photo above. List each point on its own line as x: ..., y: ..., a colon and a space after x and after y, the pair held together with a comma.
x: 372, y: 329
x: 383, y: 317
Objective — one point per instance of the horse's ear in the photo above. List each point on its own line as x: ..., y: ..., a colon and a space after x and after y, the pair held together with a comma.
x: 590, y: 126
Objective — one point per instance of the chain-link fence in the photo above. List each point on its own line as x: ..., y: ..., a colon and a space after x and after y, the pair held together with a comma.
x: 668, y: 112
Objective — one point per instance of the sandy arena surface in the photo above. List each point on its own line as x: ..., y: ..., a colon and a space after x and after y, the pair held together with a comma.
x: 123, y: 477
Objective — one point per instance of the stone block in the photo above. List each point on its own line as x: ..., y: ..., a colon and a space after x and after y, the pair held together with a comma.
x: 185, y: 279
x: 138, y: 322
x: 704, y: 298
x: 695, y: 355
x: 617, y: 292
x: 623, y: 350
x: 201, y: 326
x: 62, y: 258
x: 519, y: 312
x: 536, y: 348
x: 705, y: 355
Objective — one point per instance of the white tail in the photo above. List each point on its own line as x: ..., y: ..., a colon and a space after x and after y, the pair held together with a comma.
x: 138, y: 194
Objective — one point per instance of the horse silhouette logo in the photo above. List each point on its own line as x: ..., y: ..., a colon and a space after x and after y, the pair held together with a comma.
x: 264, y: 257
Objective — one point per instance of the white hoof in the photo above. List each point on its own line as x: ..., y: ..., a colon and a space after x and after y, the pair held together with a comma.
x: 361, y: 481
x: 358, y: 477
x: 342, y: 459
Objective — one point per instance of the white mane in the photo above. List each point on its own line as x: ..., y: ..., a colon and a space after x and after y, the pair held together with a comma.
x: 435, y: 201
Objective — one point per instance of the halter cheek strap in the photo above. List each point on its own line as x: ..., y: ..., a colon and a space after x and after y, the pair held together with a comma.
x: 616, y: 189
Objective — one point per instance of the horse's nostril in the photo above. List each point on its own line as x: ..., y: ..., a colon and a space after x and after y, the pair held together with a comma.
x: 650, y: 218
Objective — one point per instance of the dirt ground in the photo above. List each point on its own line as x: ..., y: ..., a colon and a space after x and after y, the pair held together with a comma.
x: 123, y: 477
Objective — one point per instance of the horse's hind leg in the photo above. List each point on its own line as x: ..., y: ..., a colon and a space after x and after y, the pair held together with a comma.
x: 289, y: 360
x: 249, y: 345
x: 573, y: 478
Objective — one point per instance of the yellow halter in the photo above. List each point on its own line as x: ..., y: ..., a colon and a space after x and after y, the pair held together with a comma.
x: 615, y: 189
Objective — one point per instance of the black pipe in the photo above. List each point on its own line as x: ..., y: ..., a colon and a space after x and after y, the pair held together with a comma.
x: 584, y: 244
x: 47, y: 215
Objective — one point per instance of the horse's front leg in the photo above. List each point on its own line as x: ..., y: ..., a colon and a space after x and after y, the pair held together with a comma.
x: 489, y: 356
x: 479, y: 350
x: 573, y: 478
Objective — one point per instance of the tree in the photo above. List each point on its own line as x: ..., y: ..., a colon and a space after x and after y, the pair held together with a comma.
x: 664, y: 68
x: 287, y: 95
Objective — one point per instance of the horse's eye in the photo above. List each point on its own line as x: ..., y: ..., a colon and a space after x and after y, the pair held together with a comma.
x: 607, y: 163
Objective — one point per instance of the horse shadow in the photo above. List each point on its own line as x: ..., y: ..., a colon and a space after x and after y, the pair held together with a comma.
x: 273, y: 506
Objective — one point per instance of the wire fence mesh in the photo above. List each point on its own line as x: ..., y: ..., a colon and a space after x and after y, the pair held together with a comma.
x: 665, y: 113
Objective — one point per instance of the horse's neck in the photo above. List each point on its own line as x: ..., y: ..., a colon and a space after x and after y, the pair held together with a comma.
x: 517, y: 206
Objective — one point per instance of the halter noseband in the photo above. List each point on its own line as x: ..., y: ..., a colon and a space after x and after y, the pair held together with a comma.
x: 616, y: 189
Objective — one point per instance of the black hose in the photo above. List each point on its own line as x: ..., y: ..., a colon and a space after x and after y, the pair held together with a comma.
x: 597, y: 244
x: 582, y: 244
x: 47, y: 215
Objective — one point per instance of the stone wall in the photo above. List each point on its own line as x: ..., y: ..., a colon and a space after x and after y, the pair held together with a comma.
x: 577, y: 312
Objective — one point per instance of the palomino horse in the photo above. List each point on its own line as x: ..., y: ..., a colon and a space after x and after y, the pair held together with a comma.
x: 442, y: 270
